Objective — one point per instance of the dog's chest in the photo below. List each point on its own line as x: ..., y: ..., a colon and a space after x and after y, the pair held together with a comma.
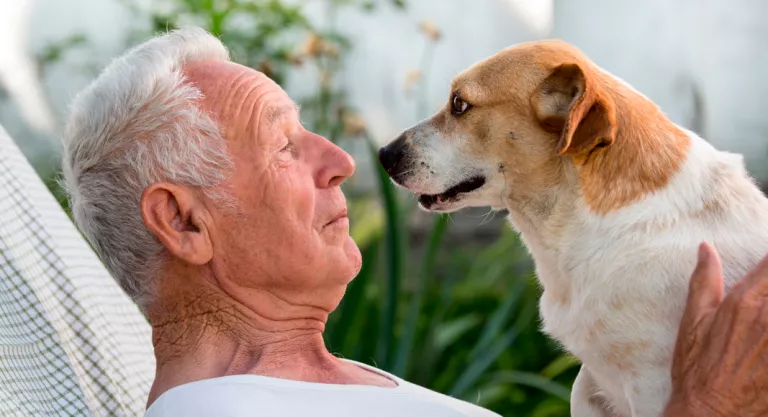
x: 566, y: 319
x: 608, y: 307
x: 580, y: 320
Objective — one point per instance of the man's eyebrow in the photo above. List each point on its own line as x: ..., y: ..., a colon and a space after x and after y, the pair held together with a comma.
x: 273, y: 114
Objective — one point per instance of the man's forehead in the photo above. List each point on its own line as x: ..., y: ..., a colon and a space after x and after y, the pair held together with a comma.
x: 275, y: 112
x: 212, y: 73
x: 234, y: 91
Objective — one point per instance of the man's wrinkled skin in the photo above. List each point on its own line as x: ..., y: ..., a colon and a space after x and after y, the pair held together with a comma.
x: 248, y: 289
x: 721, y: 358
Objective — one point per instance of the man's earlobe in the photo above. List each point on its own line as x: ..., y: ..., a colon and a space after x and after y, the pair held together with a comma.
x: 570, y: 102
x: 177, y: 219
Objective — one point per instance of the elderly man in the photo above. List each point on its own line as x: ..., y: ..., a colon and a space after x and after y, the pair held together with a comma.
x: 223, y: 218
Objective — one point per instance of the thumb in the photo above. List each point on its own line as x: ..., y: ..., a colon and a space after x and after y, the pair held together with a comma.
x: 705, y: 290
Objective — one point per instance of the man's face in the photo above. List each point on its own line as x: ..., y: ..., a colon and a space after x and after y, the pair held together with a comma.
x: 290, y: 229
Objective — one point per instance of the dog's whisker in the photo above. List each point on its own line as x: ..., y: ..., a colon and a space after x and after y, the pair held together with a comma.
x: 400, y: 174
x: 485, y: 219
x: 491, y: 213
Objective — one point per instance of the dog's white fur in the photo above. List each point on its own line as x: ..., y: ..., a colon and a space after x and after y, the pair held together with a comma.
x: 615, y: 283
x: 640, y: 258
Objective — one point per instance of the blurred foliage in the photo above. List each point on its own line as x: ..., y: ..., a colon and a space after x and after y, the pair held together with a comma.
x: 54, y: 52
x: 461, y: 320
x: 273, y: 37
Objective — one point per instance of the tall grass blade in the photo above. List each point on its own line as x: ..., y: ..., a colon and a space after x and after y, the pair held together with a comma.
x: 449, y: 332
x: 494, y: 326
x: 534, y: 381
x: 352, y: 309
x: 427, y: 268
x: 560, y: 365
x: 475, y: 370
x: 394, y: 260
x: 430, y: 349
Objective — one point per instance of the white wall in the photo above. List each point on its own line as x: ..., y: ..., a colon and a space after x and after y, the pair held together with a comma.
x: 665, y: 47
x: 103, y: 22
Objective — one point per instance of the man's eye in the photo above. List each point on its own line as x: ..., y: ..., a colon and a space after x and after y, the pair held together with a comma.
x: 289, y: 147
x: 458, y: 105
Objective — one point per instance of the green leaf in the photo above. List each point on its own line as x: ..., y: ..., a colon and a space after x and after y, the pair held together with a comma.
x: 406, y: 342
x: 368, y: 222
x: 447, y: 333
x: 560, y: 365
x: 431, y: 349
x: 534, y: 381
x: 551, y: 407
x: 476, y: 368
x: 351, y: 310
x: 394, y: 256
x: 494, y: 326
x: 489, y: 393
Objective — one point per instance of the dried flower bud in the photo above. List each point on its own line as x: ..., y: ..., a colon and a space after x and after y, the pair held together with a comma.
x: 411, y: 77
x: 432, y: 31
x: 313, y: 46
x: 353, y: 124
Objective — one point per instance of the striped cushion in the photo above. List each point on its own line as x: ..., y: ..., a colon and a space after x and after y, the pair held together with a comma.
x: 71, y: 342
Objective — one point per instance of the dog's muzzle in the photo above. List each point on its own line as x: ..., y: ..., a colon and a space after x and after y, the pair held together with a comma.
x: 392, y: 156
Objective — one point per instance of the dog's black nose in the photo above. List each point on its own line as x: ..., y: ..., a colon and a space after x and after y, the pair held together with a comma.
x: 389, y: 155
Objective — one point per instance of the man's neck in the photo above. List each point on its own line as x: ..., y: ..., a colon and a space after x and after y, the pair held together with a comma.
x: 203, y: 333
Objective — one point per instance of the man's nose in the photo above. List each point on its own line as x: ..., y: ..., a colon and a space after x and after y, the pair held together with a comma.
x: 389, y: 155
x: 336, y: 166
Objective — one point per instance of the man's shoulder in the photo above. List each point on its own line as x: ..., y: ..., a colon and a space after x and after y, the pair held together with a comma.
x: 427, y: 395
x: 240, y: 395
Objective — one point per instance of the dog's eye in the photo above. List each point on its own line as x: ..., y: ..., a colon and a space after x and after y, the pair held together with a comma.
x: 458, y: 105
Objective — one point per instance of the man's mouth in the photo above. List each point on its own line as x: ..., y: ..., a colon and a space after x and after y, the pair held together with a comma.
x: 340, y: 217
x: 451, y: 194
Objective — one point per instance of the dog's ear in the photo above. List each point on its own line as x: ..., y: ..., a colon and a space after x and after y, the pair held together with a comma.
x: 574, y: 105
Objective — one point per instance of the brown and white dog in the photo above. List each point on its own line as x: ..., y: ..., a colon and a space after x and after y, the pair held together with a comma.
x: 610, y: 197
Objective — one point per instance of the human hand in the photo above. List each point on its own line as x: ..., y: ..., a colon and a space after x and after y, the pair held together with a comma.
x: 720, y: 366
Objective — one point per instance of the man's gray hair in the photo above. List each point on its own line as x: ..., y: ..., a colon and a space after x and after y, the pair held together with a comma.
x: 136, y: 124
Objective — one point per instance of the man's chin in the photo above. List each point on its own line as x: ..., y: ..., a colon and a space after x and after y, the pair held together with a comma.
x: 353, y: 259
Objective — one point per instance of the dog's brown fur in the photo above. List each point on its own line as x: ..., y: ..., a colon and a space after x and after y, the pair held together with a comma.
x: 550, y: 101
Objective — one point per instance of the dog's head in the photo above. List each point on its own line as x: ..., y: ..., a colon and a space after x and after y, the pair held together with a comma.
x: 508, y: 122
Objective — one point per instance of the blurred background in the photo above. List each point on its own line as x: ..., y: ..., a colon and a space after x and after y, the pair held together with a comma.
x: 448, y: 302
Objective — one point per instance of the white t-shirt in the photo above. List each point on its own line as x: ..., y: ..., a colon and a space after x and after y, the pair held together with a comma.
x: 260, y: 396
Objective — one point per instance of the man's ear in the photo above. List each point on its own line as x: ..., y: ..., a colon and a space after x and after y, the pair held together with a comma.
x: 179, y: 220
x: 573, y: 104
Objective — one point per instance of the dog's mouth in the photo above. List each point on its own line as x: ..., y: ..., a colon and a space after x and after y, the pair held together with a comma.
x: 453, y: 193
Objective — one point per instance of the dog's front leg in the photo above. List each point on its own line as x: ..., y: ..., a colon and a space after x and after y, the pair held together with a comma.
x: 586, y: 400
